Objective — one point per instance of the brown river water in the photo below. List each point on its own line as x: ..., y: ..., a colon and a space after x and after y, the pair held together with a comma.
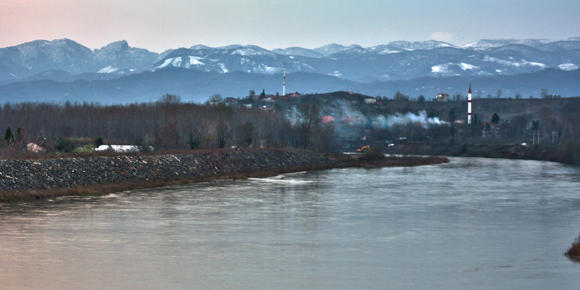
x: 470, y: 224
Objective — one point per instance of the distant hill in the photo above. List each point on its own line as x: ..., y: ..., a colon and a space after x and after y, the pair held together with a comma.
x: 197, y: 86
x: 191, y: 85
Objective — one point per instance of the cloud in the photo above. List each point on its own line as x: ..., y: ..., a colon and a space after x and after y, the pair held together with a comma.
x: 442, y: 36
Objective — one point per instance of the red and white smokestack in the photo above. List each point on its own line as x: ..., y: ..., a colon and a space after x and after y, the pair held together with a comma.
x: 469, y: 106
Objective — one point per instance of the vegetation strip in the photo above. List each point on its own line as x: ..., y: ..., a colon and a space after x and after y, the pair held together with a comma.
x: 574, y: 252
x: 26, y: 179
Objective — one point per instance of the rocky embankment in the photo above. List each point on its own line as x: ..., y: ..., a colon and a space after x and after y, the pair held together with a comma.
x: 27, y: 175
x: 35, y: 179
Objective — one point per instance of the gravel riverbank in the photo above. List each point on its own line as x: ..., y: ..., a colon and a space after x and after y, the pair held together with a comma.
x: 19, y: 175
x: 36, y: 179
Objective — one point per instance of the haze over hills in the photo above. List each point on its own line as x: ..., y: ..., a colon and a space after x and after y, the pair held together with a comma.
x: 64, y: 69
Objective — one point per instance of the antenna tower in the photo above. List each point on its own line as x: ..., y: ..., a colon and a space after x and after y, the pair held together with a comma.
x: 284, y: 87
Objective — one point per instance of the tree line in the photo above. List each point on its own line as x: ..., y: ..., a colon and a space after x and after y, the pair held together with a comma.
x: 165, y: 124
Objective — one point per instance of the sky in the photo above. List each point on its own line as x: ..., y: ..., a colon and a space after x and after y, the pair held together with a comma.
x: 159, y: 25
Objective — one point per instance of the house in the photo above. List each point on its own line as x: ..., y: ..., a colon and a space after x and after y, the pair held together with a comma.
x: 370, y: 100
x: 490, y: 129
x: 327, y: 119
x: 442, y: 97
x: 35, y: 148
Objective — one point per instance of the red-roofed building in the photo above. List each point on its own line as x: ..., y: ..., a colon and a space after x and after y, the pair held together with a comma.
x: 327, y: 119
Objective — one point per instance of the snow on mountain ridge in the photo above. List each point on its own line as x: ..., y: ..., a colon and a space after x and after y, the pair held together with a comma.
x: 446, y: 68
x: 422, y: 45
x: 568, y: 66
x: 493, y: 43
x: 330, y: 49
x: 397, y: 59
x: 298, y: 51
x: 195, y: 60
x: 107, y: 70
x: 514, y: 63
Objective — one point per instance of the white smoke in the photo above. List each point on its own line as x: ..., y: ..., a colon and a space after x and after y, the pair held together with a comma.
x: 347, y: 109
x: 410, y: 118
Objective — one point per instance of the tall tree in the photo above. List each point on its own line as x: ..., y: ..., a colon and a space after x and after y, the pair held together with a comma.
x: 451, y: 119
x: 309, y: 118
x: 421, y: 99
x: 170, y: 99
x: 216, y: 98
x: 246, y: 132
x: 400, y: 97
x: 495, y: 118
x: 8, y: 136
x: 536, y: 132
x: 19, y: 135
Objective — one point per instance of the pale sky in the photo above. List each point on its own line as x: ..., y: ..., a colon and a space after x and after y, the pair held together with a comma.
x: 158, y: 25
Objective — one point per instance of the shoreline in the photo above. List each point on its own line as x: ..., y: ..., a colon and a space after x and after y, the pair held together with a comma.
x: 553, y: 153
x: 103, y: 175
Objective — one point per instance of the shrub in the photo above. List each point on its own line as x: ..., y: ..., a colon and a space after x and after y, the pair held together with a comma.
x: 570, y: 152
x: 86, y: 148
x: 98, y: 142
x: 574, y: 252
x: 374, y: 153
x: 64, y: 145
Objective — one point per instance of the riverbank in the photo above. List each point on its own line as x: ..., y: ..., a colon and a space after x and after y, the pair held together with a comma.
x: 37, y: 179
x: 567, y: 153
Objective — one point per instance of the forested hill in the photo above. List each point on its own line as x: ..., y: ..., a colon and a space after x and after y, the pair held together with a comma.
x: 197, y: 86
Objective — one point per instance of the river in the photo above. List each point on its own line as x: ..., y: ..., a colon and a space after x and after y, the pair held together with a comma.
x: 473, y: 223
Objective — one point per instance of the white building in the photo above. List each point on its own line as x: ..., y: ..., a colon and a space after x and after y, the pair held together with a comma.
x: 370, y: 100
x: 121, y: 148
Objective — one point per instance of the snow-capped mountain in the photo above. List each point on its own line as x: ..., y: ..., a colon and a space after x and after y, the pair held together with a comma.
x: 331, y: 49
x: 31, y: 58
x: 492, y: 43
x: 249, y: 59
x: 118, y: 56
x: 398, y: 60
x: 299, y: 51
x: 34, y: 57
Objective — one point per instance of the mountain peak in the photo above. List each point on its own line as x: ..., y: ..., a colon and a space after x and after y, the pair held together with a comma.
x: 121, y: 45
x: 331, y: 49
x: 492, y: 43
x: 415, y: 45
